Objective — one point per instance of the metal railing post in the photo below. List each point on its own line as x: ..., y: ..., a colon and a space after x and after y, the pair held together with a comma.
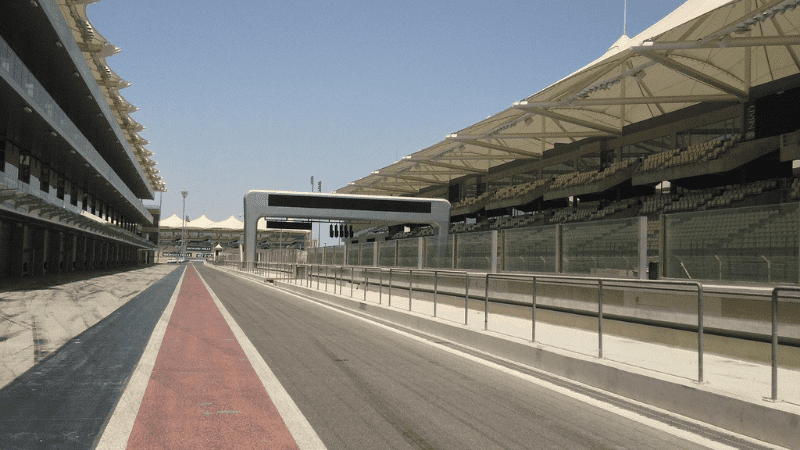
x: 466, y: 298
x: 774, y: 339
x: 380, y: 286
x: 774, y: 344
x: 700, y: 333
x: 366, y: 283
x: 600, y: 319
x: 410, y: 287
x: 352, y: 280
x: 533, y: 312
x: 435, y: 290
x: 486, y: 305
x: 326, y: 278
x: 390, y: 287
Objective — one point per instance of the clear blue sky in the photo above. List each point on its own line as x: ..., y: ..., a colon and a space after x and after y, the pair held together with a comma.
x: 238, y: 95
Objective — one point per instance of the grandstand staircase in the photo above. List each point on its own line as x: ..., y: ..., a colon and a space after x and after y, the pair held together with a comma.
x: 735, y: 157
x: 469, y: 208
x: 495, y: 203
x: 591, y: 187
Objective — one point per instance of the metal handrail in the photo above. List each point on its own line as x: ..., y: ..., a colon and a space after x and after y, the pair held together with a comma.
x: 535, y: 279
x: 775, y: 291
x: 600, y: 282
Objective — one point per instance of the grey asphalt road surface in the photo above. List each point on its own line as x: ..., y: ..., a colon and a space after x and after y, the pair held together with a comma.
x: 363, y: 386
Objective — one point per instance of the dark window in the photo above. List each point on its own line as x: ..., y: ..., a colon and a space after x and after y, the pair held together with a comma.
x: 85, y: 200
x: 24, y: 167
x: 73, y: 194
x: 44, y: 179
x: 3, y: 145
x: 454, y: 193
x: 60, y: 188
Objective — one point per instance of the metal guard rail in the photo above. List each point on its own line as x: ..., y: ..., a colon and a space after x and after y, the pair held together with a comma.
x: 288, y: 268
x: 600, y: 282
x: 775, y: 292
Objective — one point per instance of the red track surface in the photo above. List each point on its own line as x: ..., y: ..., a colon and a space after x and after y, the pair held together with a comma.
x: 203, y: 392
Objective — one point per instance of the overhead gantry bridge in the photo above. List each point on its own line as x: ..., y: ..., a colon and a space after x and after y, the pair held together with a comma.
x: 302, y: 205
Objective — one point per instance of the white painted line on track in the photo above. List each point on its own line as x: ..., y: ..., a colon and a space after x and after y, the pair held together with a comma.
x: 302, y: 432
x: 658, y: 425
x: 118, y: 429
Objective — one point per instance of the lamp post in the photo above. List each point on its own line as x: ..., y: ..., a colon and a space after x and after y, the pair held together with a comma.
x: 183, y: 232
x: 158, y: 225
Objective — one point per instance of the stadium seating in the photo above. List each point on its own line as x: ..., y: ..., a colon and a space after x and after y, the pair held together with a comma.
x: 712, y: 198
x: 736, y: 231
x: 519, y: 190
x: 468, y: 202
x: 736, y: 193
x: 795, y: 188
x: 592, y: 176
x: 705, y: 151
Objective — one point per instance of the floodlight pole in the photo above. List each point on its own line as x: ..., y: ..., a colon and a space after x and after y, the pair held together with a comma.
x: 158, y: 227
x: 183, y: 232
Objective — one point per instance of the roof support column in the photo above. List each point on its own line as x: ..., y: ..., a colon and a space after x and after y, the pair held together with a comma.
x: 748, y: 52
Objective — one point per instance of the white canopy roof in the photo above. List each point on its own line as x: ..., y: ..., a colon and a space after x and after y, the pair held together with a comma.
x: 231, y: 223
x: 201, y: 222
x: 204, y: 223
x: 704, y: 51
x: 172, y: 221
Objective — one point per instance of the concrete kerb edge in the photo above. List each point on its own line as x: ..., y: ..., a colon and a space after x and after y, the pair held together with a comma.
x: 759, y: 421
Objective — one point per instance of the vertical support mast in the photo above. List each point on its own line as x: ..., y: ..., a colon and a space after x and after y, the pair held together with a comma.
x: 625, y: 19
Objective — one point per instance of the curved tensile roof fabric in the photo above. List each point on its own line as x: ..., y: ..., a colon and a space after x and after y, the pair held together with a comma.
x: 704, y: 51
x: 204, y: 223
x: 96, y: 48
x: 201, y: 222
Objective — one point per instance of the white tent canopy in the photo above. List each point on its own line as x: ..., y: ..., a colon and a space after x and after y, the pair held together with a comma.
x: 204, y: 223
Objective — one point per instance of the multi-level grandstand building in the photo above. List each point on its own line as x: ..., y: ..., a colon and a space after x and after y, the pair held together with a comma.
x: 73, y: 168
x: 691, y: 127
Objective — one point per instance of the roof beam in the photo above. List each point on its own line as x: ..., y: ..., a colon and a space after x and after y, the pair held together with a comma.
x: 428, y: 162
x: 696, y: 74
x: 789, y: 48
x: 474, y: 157
x: 638, y: 101
x: 393, y: 189
x: 424, y: 172
x: 569, y: 91
x: 568, y: 119
x: 420, y: 180
x: 727, y: 42
x: 502, y: 148
x: 552, y: 135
